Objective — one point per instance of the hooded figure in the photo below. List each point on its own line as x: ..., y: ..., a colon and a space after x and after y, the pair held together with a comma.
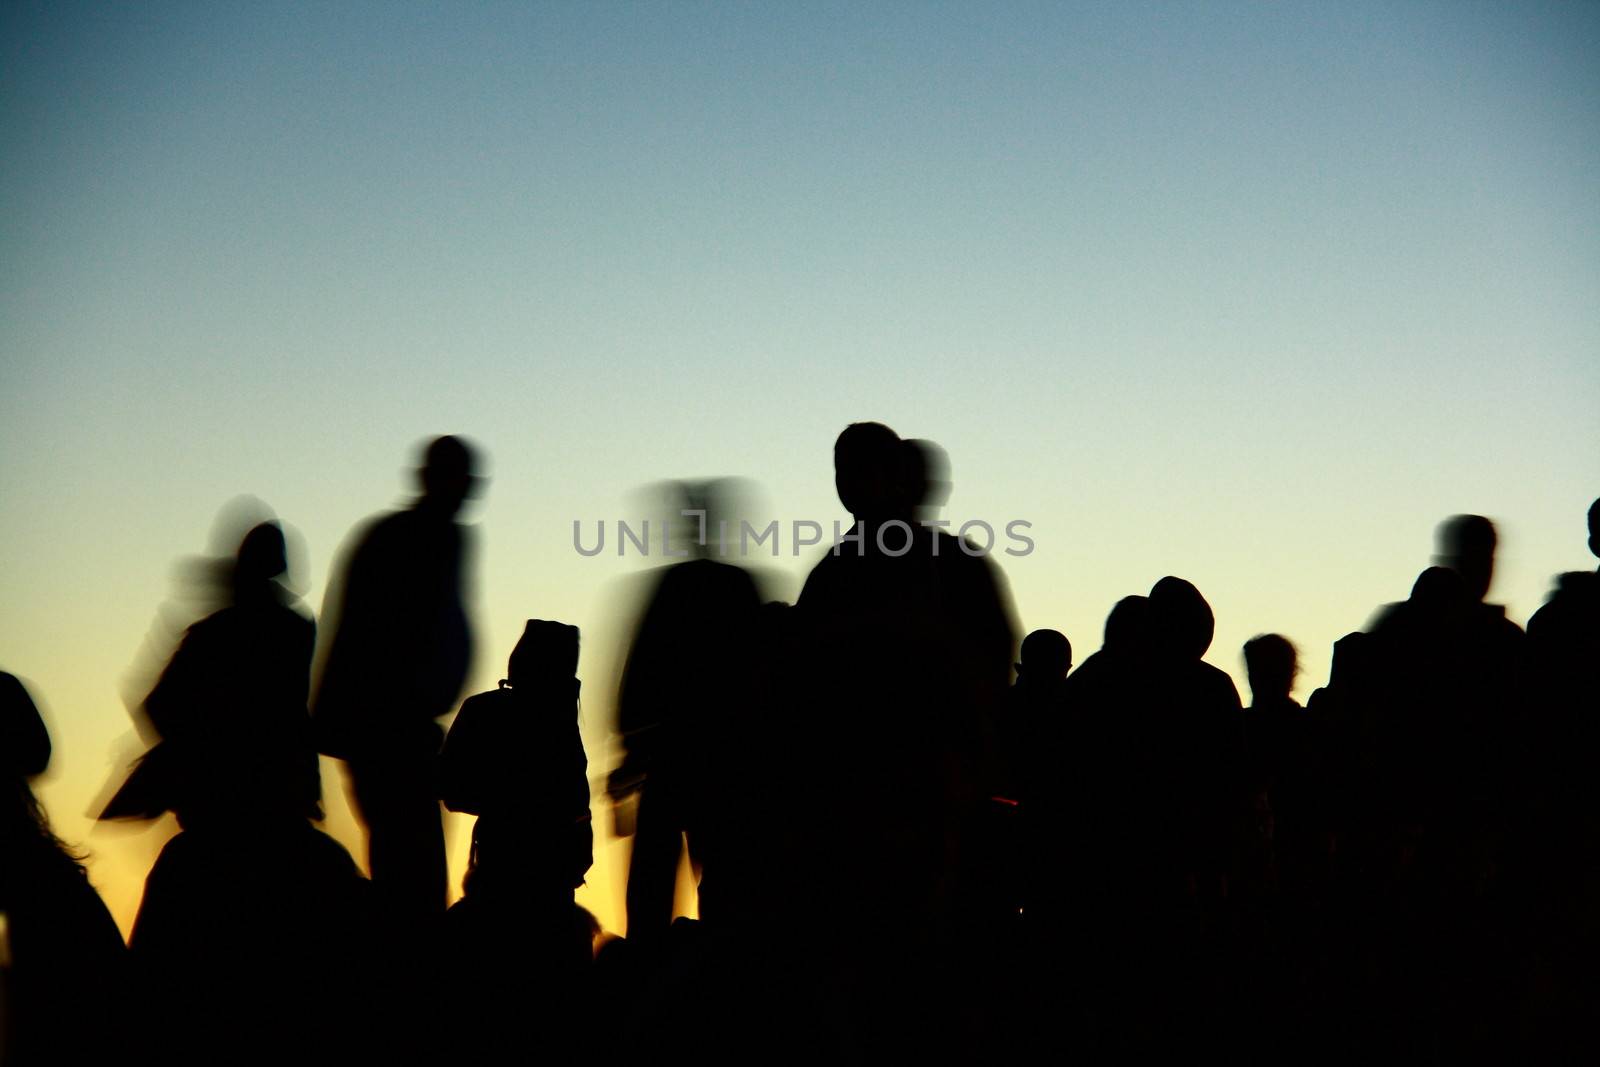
x: 515, y: 759
x: 230, y: 709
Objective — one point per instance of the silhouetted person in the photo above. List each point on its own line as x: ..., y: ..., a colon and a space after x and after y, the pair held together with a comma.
x: 519, y: 947
x: 908, y: 641
x: 1199, y: 746
x: 684, y: 687
x: 1484, y: 690
x: 1038, y: 693
x: 1561, y: 820
x: 515, y: 759
x: 1416, y: 669
x: 260, y: 942
x: 1146, y: 808
x: 1045, y: 659
x: 1028, y: 721
x: 1564, y: 647
x: 1018, y: 897
x: 1089, y: 836
x: 1274, y: 844
x: 244, y: 906
x: 1451, y: 750
x: 63, y: 969
x: 744, y: 979
x: 1270, y: 663
x: 1338, y: 714
x: 399, y: 654
x: 230, y: 708
x: 1274, y: 724
x: 1332, y: 922
x: 1203, y: 707
x: 1081, y: 823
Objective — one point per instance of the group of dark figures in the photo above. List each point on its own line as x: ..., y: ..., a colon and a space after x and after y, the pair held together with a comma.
x: 901, y: 852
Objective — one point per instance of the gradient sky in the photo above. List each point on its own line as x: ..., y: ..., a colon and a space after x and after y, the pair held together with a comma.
x: 1253, y: 294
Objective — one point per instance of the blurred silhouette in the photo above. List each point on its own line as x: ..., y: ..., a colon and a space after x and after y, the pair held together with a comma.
x: 63, y: 968
x: 518, y: 946
x: 1460, y: 660
x: 1448, y: 745
x: 399, y: 654
x: 684, y: 693
x: 230, y: 708
x: 900, y: 855
x: 248, y: 894
x: 927, y: 477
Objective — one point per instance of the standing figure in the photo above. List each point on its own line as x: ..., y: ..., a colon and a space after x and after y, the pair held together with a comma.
x: 905, y: 650
x: 1564, y: 670
x: 684, y: 687
x: 1451, y: 766
x: 230, y: 709
x: 239, y: 902
x: 1277, y: 762
x: 514, y: 758
x: 519, y: 945
x: 398, y: 658
x: 1037, y: 696
x: 1561, y: 819
x: 1030, y: 718
x: 1142, y: 813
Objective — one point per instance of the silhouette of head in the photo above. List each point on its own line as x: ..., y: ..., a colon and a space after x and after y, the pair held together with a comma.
x: 927, y: 470
x: 701, y: 496
x: 1466, y: 545
x: 1046, y: 656
x: 1269, y: 660
x: 721, y: 501
x: 1440, y: 590
x: 1181, y: 620
x: 1594, y: 527
x: 1352, y: 656
x: 262, y: 556
x: 447, y: 475
x: 547, y: 652
x: 24, y: 742
x: 869, y: 471
x: 1128, y: 625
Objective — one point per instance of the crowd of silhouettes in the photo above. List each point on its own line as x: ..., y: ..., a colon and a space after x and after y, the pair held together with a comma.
x: 901, y: 852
